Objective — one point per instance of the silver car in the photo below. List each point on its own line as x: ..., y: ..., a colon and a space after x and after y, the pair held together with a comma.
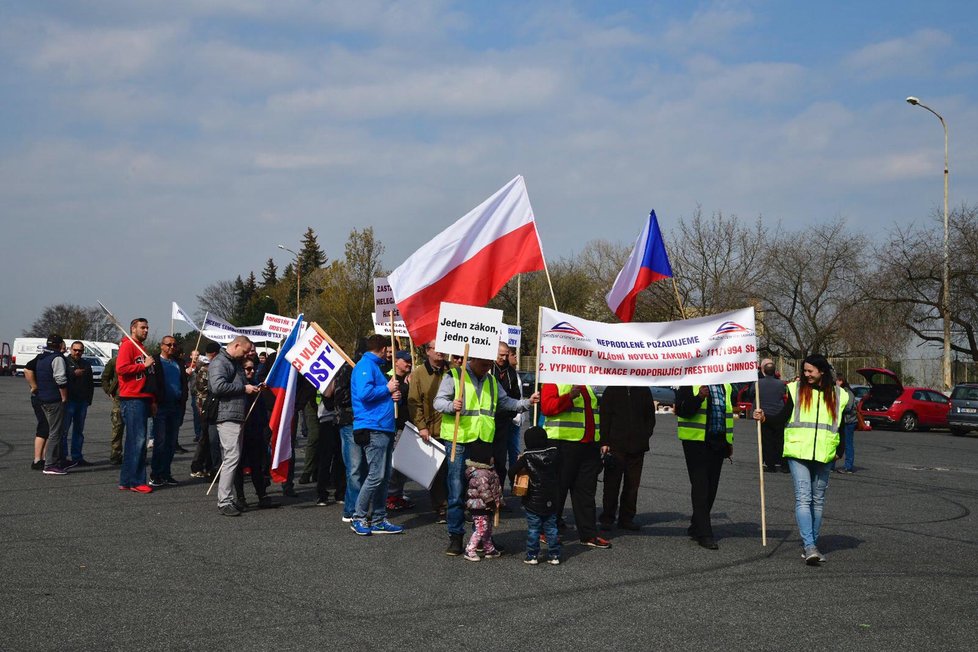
x: 964, y: 408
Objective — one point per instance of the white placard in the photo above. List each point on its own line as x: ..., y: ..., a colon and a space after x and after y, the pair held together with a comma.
x: 384, y: 302
x: 278, y: 324
x: 314, y: 359
x: 384, y: 327
x: 512, y: 336
x: 459, y: 324
x: 703, y: 351
x: 417, y: 459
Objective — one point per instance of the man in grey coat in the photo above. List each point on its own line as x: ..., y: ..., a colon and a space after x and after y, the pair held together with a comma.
x: 226, y: 381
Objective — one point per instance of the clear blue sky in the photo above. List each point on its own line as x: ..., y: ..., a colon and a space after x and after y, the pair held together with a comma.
x: 129, y: 127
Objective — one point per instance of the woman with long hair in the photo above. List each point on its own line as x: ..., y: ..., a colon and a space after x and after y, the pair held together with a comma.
x: 813, y: 414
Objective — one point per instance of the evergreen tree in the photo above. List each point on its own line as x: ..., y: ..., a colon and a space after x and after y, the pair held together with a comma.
x: 240, y: 301
x: 311, y: 256
x: 269, y: 275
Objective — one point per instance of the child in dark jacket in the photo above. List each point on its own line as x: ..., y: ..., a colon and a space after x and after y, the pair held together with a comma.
x: 483, y: 495
x: 539, y: 460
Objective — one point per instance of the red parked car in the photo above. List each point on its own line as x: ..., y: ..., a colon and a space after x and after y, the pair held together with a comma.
x: 889, y: 403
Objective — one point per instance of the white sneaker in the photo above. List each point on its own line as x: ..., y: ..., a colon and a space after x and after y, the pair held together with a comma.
x: 346, y: 519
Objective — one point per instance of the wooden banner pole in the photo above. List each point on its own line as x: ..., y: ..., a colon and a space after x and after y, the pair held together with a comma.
x: 536, y: 374
x: 336, y: 347
x: 119, y: 326
x: 760, y: 465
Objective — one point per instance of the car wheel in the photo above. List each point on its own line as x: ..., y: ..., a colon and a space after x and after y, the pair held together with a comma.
x: 959, y: 432
x: 908, y: 422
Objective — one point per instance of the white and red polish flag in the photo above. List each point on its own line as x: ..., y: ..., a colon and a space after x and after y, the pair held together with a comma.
x: 470, y: 261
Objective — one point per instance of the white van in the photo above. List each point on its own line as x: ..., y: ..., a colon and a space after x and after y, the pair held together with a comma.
x: 28, y: 348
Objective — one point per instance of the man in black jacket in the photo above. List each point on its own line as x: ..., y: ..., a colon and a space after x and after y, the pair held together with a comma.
x: 627, y: 420
x: 81, y: 389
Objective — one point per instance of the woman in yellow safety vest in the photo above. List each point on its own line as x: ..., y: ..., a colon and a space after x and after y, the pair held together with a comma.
x: 812, y: 413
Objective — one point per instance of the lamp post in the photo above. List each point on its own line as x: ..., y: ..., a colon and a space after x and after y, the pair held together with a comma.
x: 945, y: 276
x: 298, y: 276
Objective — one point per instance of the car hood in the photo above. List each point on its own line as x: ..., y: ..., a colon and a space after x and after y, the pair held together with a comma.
x: 876, y: 376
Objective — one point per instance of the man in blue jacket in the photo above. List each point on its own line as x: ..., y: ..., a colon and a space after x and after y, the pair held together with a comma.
x: 374, y: 396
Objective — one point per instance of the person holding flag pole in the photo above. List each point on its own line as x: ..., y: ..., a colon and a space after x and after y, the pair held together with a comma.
x: 470, y: 399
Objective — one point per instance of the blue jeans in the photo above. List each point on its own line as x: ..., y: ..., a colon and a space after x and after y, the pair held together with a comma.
x: 166, y: 425
x: 356, y: 469
x: 457, y: 487
x: 75, y: 413
x: 513, y: 443
x: 372, y: 499
x: 849, y: 435
x: 810, y: 480
x: 135, y: 412
x: 535, y: 523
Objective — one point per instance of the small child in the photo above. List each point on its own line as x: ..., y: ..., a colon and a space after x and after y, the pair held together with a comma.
x: 483, y: 495
x: 540, y: 502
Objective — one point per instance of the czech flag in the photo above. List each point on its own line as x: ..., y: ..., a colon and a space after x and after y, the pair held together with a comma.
x: 281, y: 380
x: 647, y: 264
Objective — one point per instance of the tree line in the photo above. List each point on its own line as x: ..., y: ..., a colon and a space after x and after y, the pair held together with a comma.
x: 823, y: 288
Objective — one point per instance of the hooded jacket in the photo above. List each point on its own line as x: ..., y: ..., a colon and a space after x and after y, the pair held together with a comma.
x: 541, y: 464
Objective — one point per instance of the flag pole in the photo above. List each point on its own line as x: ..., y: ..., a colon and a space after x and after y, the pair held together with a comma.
x: 461, y: 395
x: 679, y: 302
x: 536, y: 374
x: 760, y: 464
x: 336, y: 347
x: 119, y: 326
x: 519, y: 277
x: 393, y: 356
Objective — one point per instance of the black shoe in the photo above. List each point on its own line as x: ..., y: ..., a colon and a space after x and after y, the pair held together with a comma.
x: 769, y: 469
x: 708, y: 543
x: 37, y: 466
x: 454, y: 548
x: 290, y: 492
x: 172, y: 482
x: 631, y: 526
x: 266, y: 503
x: 240, y: 504
x: 785, y: 469
x: 81, y: 461
x: 691, y: 531
x: 181, y: 449
x: 303, y: 479
x: 228, y: 510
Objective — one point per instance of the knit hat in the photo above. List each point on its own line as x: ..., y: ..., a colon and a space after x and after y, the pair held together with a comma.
x: 535, y: 438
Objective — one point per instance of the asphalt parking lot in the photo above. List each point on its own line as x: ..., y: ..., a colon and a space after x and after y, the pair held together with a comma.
x: 86, y: 567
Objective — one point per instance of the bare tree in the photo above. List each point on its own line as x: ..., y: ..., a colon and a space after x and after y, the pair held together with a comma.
x: 911, y: 276
x: 810, y: 282
x: 219, y: 299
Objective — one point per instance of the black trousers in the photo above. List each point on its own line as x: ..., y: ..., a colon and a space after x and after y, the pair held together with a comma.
x: 578, y: 466
x: 704, y: 463
x: 202, y: 455
x: 772, y: 444
x: 254, y: 452
x: 330, y: 470
x: 627, y: 467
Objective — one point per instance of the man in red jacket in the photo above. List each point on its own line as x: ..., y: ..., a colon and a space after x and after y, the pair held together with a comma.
x: 136, y: 401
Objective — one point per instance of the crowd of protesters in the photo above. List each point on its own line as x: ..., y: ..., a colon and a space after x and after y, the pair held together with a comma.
x: 481, y: 414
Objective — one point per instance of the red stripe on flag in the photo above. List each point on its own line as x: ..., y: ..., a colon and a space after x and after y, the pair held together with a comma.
x: 475, y: 281
x: 281, y: 441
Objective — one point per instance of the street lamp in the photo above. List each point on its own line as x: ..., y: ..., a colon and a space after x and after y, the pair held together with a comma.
x: 946, y: 294
x: 298, y: 276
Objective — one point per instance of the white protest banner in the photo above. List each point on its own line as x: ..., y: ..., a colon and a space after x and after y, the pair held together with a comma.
x: 278, y: 324
x: 178, y: 313
x: 416, y: 458
x: 215, y: 328
x: 314, y: 358
x: 384, y: 303
x: 512, y: 335
x: 459, y: 325
x: 384, y: 327
x: 703, y: 351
